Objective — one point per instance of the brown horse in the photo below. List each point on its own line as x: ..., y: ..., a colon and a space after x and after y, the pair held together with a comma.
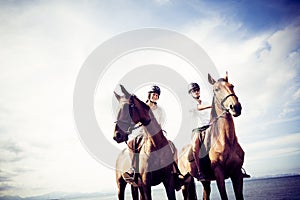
x: 156, y: 156
x: 225, y: 156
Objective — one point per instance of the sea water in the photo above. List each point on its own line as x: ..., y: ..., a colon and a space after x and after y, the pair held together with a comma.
x: 280, y: 188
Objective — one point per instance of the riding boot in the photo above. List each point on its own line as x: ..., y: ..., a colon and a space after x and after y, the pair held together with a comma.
x: 245, y: 175
x: 177, y: 182
x: 129, y: 175
x: 178, y: 177
x: 200, y: 175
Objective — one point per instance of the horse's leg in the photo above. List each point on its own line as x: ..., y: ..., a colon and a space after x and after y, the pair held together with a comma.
x: 192, y: 194
x: 189, y: 190
x: 121, y: 188
x: 185, y: 191
x: 219, y: 174
x: 142, y: 193
x: 237, y: 182
x: 206, y: 189
x: 147, y: 192
x: 134, y: 193
x: 169, y: 184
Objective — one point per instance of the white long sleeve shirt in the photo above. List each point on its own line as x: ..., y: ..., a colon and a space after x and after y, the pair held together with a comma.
x: 199, y: 118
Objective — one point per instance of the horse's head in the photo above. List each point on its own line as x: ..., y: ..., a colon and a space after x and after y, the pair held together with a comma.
x: 132, y: 111
x: 224, y: 95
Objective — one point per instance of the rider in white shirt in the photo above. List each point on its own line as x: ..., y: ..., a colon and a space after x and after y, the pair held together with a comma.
x: 136, y: 136
x: 200, y: 115
x: 153, y: 96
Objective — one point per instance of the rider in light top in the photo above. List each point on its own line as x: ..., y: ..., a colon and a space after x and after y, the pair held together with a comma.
x: 153, y: 96
x: 200, y: 119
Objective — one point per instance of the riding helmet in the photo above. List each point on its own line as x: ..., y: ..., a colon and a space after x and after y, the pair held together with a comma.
x: 193, y: 86
x: 155, y: 89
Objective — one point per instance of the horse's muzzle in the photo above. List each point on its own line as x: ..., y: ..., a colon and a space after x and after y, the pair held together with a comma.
x: 236, y: 110
x: 119, y: 138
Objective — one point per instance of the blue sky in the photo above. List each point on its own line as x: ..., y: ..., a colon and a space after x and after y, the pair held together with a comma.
x: 44, y: 44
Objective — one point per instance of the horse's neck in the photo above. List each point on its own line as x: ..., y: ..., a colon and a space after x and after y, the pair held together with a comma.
x: 154, y: 133
x: 223, y: 125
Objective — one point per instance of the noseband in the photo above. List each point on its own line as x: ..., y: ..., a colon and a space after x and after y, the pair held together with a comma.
x: 230, y: 95
x: 223, y: 100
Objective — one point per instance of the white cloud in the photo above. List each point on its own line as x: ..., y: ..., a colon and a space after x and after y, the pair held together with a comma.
x: 282, y: 141
x: 162, y: 2
x: 296, y: 95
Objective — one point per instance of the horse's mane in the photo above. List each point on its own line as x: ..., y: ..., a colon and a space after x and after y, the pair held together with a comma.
x: 222, y: 79
x: 213, y: 113
x: 144, y: 105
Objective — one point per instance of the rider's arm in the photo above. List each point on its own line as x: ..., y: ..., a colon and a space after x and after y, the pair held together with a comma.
x: 202, y: 107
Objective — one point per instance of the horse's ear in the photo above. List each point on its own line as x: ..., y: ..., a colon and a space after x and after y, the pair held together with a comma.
x: 117, y: 96
x: 211, y: 80
x: 226, y: 76
x: 127, y: 94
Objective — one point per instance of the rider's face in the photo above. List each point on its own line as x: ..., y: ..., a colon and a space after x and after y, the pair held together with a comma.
x: 154, y: 97
x: 195, y: 93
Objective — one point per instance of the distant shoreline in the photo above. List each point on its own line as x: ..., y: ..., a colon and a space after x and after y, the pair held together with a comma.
x: 272, y: 176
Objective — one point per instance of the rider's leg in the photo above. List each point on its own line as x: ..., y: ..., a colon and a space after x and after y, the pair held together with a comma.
x: 196, y: 153
x: 129, y: 174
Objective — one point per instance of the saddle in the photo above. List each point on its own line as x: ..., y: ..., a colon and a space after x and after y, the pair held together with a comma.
x: 201, y: 129
x: 135, y: 146
x: 204, y: 149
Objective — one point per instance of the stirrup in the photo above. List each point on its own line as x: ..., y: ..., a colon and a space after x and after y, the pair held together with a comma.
x: 178, y: 182
x: 201, y: 176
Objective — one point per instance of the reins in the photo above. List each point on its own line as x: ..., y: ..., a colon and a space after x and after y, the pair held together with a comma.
x: 224, y: 112
x: 131, y: 127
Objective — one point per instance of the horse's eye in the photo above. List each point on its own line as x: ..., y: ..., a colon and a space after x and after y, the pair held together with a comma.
x: 217, y: 89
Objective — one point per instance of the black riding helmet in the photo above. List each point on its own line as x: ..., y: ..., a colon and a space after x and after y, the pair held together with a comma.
x: 155, y: 89
x: 193, y: 86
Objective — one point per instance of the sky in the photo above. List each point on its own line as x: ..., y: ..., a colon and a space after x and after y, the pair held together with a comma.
x: 45, y: 43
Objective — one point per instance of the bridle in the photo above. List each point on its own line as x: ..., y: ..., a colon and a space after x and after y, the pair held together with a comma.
x: 131, y: 126
x: 221, y: 102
